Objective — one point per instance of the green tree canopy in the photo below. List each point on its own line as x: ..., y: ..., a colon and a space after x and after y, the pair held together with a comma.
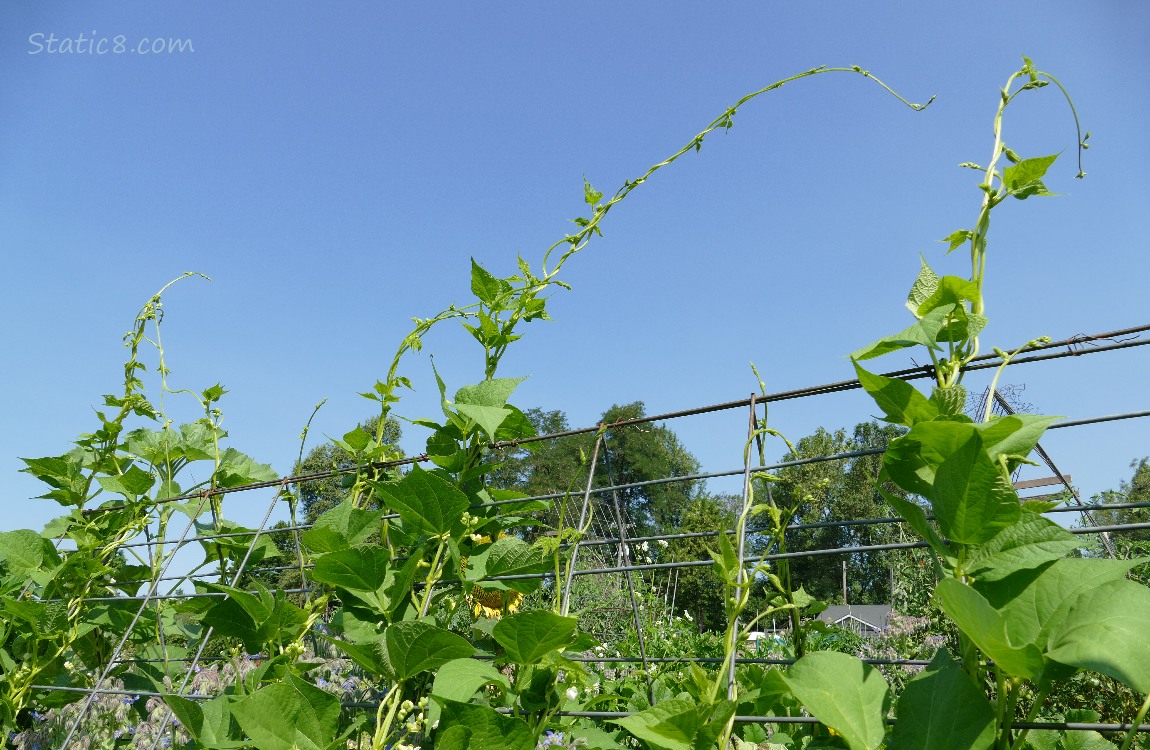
x: 630, y: 454
x: 840, y: 490
x: 698, y: 590
x: 1133, y: 542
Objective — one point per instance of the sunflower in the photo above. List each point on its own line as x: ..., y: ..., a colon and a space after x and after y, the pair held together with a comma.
x: 493, y: 603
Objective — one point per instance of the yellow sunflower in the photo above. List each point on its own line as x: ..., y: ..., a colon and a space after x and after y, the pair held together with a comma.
x: 493, y: 603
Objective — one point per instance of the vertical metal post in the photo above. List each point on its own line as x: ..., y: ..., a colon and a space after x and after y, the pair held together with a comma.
x: 566, y: 604
x: 845, y: 601
x: 625, y: 560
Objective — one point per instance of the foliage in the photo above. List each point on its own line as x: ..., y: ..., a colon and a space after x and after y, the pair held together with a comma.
x: 830, y: 491
x: 629, y: 454
x: 321, y: 495
x: 1135, y: 490
x: 400, y: 554
x: 698, y: 591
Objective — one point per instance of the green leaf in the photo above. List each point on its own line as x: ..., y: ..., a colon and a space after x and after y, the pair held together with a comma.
x: 209, y: 722
x: 987, y: 628
x: 489, y: 418
x: 1105, y: 631
x: 493, y: 392
x: 445, y: 447
x: 25, y: 551
x: 426, y: 502
x: 671, y: 724
x: 367, y: 574
x: 458, y: 680
x: 236, y: 547
x: 941, y: 709
x: 464, y: 726
x: 842, y: 692
x: 946, y: 461
x: 416, y: 646
x: 254, y: 619
x: 916, y: 518
x: 924, y: 286
x: 1035, y: 603
x: 1014, y: 436
x: 529, y: 636
x: 955, y: 239
x: 1031, y: 542
x: 44, y: 619
x: 483, y: 285
x: 362, y: 568
x: 237, y: 469
x: 972, y: 500
x: 508, y: 556
x: 64, y: 473
x: 196, y: 442
x: 951, y: 290
x: 900, y: 401
x: 960, y: 325
x: 131, y: 484
x: 591, y: 196
x: 369, y: 656
x: 341, y: 527
x: 289, y: 715
x: 923, y: 332
x: 357, y: 439
x: 1030, y: 189
x: 1025, y: 178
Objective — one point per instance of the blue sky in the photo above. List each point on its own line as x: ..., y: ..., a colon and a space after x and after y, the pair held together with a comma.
x: 332, y: 166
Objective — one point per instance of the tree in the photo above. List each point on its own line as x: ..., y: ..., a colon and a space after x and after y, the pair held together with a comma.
x: 698, y: 590
x: 1132, y: 542
x: 630, y: 454
x: 1137, y: 490
x: 639, y: 453
x: 842, y: 490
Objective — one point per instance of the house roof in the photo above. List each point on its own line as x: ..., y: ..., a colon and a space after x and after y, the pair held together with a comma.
x: 876, y: 616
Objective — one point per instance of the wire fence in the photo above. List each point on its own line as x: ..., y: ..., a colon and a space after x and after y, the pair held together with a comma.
x: 630, y: 560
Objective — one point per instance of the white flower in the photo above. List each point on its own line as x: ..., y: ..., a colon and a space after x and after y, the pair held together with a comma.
x: 688, y: 616
x: 572, y: 693
x: 663, y: 543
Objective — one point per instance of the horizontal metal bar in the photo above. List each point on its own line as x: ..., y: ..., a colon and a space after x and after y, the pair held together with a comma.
x: 978, y: 363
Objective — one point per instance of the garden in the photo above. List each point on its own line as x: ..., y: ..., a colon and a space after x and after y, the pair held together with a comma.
x: 466, y: 597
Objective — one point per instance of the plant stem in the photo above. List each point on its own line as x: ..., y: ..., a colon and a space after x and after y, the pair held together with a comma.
x: 1134, y: 725
x: 383, y: 725
x: 432, y: 577
x: 1043, y: 691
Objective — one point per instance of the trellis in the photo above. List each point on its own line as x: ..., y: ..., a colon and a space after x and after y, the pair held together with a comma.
x: 609, y: 527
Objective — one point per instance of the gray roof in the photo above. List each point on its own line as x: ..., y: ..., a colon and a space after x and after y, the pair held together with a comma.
x: 877, y: 616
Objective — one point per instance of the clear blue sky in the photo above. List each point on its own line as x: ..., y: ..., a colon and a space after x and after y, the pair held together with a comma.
x: 332, y: 166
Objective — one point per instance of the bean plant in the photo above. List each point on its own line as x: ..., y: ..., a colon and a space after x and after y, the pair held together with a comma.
x: 410, y: 629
